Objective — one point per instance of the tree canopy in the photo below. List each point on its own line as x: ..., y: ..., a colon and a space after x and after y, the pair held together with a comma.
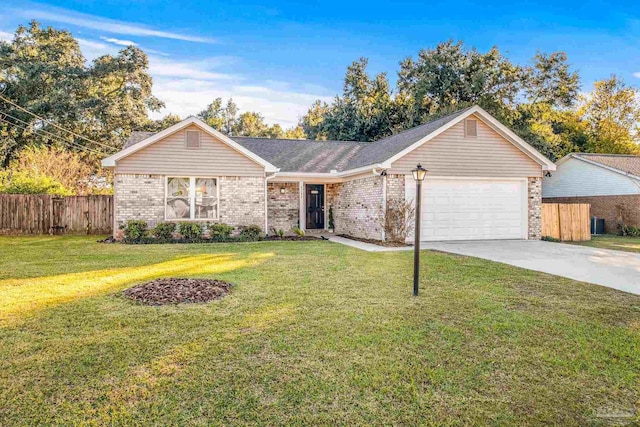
x: 540, y: 101
x: 44, y: 71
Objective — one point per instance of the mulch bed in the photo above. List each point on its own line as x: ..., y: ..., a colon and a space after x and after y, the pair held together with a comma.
x: 376, y: 242
x: 178, y: 291
x: 292, y: 238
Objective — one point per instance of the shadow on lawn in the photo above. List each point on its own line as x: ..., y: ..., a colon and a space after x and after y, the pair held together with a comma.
x: 23, y: 297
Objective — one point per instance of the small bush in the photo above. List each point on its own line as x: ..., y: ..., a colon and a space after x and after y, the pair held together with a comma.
x: 549, y: 239
x: 135, y: 230
x: 164, y: 231
x: 250, y: 232
x: 298, y: 231
x: 190, y: 230
x: 398, y: 221
x: 221, y: 231
x: 629, y: 231
x: 277, y: 232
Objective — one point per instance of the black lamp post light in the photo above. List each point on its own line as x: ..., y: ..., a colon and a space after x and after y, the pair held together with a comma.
x: 418, y: 176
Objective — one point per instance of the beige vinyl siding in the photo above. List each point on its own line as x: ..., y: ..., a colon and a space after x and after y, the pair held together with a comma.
x: 170, y: 156
x: 486, y: 155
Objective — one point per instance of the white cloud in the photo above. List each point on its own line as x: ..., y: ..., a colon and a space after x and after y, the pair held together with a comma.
x: 187, y: 87
x: 92, y: 49
x: 98, y: 23
x: 118, y: 41
x: 637, y: 74
x: 190, y: 96
x: 5, y: 36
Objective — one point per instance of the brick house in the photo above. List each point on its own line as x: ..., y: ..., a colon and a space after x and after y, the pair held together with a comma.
x: 609, y: 182
x: 484, y: 182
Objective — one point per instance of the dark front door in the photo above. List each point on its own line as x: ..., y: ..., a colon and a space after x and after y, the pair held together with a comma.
x: 315, y: 206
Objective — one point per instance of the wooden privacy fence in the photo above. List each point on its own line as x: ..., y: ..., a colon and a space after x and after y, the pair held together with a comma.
x: 46, y: 214
x: 566, y: 221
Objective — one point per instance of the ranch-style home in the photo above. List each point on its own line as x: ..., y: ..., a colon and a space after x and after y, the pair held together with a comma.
x: 484, y: 182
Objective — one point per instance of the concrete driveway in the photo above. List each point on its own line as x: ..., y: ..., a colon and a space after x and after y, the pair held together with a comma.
x: 614, y: 269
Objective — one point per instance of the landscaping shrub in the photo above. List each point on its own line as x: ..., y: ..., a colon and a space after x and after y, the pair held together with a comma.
x: 277, y: 232
x: 221, y: 231
x: 250, y: 232
x: 298, y: 231
x: 629, y: 231
x: 549, y: 239
x: 164, y: 231
x: 398, y: 221
x: 190, y: 230
x: 135, y: 230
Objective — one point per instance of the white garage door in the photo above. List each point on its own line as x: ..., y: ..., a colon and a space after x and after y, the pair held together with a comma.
x: 471, y: 209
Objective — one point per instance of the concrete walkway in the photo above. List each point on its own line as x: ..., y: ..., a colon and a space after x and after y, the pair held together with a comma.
x: 614, y: 269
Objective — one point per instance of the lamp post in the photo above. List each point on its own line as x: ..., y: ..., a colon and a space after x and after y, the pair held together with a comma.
x: 418, y: 175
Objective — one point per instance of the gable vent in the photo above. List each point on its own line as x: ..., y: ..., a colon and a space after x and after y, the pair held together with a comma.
x: 471, y: 128
x: 193, y: 139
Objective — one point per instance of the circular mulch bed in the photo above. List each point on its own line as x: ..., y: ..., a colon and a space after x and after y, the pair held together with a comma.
x: 177, y: 291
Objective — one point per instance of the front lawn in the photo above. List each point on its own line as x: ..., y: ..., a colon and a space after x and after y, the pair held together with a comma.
x: 312, y: 333
x: 612, y: 241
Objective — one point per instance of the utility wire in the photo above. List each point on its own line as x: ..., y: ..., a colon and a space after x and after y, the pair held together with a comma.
x: 55, y: 125
x: 56, y: 137
x: 53, y: 136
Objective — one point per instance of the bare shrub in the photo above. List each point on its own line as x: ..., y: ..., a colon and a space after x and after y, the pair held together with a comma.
x: 398, y: 220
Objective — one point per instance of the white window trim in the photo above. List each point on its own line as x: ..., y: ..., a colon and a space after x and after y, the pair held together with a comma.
x: 192, y: 200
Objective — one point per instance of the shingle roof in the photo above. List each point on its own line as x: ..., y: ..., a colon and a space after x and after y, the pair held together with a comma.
x: 303, y: 155
x: 623, y: 162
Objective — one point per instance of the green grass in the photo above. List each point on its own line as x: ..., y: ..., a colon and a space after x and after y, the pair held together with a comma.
x: 313, y: 333
x: 612, y: 241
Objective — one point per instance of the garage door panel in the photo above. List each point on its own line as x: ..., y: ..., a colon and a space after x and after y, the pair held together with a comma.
x: 468, y: 209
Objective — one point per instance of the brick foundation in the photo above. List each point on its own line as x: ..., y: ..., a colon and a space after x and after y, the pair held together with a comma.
x: 614, y: 209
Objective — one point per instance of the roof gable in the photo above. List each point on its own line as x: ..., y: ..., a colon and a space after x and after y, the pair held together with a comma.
x: 135, y: 147
x: 308, y: 156
x: 628, y: 165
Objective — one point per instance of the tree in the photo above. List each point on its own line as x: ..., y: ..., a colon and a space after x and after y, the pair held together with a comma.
x: 76, y: 172
x: 451, y: 74
x: 551, y: 81
x: 250, y: 124
x: 160, y: 124
x: 220, y: 118
x: 613, y: 113
x: 43, y: 70
x: 364, y: 112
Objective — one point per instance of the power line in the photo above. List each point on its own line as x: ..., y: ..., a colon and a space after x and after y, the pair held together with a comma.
x: 55, y: 125
x: 55, y: 137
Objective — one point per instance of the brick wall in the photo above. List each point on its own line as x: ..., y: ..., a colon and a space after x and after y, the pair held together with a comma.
x: 614, y: 209
x: 358, y: 207
x: 242, y: 200
x: 138, y: 197
x: 142, y: 197
x: 534, y: 197
x: 283, y: 209
x: 395, y: 188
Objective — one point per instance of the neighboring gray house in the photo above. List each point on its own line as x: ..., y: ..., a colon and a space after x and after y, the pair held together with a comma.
x: 609, y: 182
x: 484, y: 182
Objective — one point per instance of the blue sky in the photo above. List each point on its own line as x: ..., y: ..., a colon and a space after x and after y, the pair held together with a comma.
x: 277, y: 58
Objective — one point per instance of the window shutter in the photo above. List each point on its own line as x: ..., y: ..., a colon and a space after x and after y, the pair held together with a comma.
x: 193, y: 139
x: 470, y: 128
